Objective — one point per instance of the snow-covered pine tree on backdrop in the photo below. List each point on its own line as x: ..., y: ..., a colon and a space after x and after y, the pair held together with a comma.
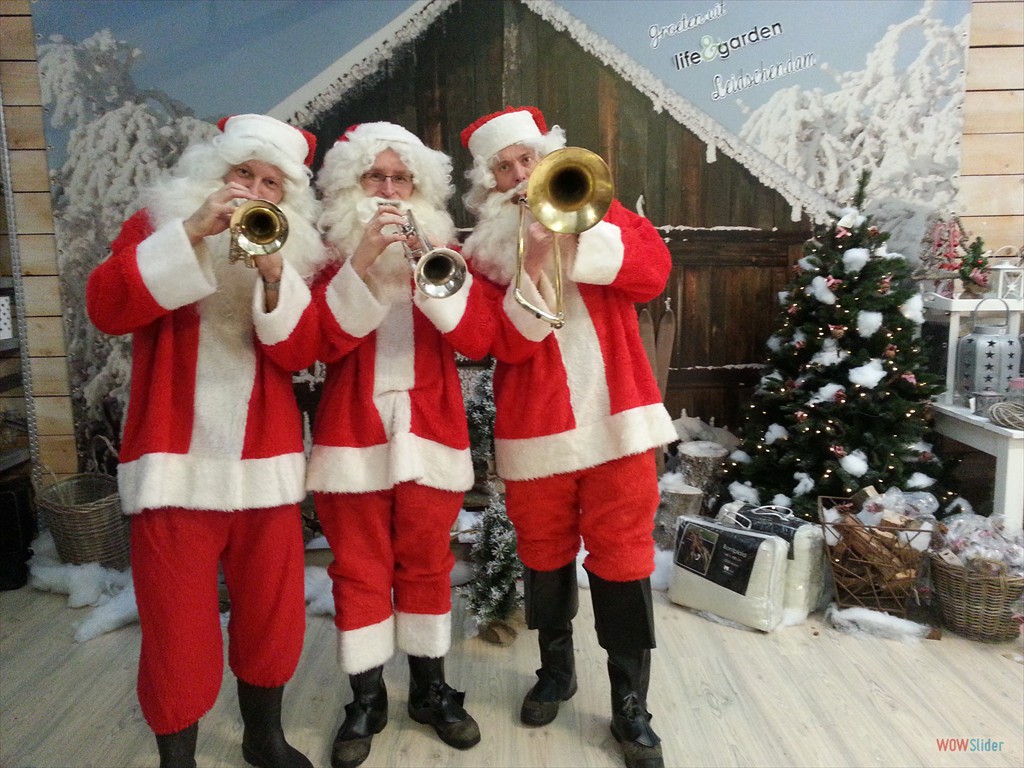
x: 844, y: 403
x: 492, y: 596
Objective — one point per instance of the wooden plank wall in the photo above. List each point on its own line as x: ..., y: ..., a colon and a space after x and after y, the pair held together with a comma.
x: 26, y: 145
x: 992, y: 185
x: 992, y: 169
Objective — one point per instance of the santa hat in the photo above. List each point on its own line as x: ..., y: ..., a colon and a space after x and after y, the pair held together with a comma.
x: 357, y: 149
x: 490, y: 134
x: 264, y: 138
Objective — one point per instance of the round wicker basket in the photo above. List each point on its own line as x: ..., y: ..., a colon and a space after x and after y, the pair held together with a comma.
x: 83, y: 512
x: 976, y: 606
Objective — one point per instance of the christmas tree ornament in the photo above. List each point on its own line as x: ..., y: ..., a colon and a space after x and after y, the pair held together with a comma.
x: 988, y: 357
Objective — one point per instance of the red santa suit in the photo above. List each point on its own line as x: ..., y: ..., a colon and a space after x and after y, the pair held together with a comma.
x: 390, y: 461
x: 211, y: 461
x: 578, y: 409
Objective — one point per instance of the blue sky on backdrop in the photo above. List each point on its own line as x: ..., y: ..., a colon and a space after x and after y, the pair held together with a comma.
x: 228, y: 56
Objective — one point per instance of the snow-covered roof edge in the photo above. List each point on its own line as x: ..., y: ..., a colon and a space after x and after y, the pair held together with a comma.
x: 317, y: 96
x: 800, y: 196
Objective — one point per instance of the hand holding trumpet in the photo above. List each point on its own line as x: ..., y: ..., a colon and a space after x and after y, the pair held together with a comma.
x: 386, y: 226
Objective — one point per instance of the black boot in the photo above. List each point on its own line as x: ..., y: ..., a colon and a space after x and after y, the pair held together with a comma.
x: 433, y: 702
x: 552, y: 598
x: 624, y: 620
x: 365, y: 716
x: 263, y: 742
x: 178, y: 750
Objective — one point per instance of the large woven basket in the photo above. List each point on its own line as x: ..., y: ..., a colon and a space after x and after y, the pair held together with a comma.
x: 83, y: 512
x: 976, y: 606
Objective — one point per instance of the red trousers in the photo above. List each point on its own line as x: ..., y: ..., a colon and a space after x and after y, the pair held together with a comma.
x: 175, y: 556
x: 392, y: 558
x: 610, y: 506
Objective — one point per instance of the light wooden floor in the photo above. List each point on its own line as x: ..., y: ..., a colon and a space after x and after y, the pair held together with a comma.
x: 721, y: 696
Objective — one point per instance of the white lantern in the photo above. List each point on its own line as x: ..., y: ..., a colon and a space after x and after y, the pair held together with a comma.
x: 988, y: 357
x: 1006, y: 281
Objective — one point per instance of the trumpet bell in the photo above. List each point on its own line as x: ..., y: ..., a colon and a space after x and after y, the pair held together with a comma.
x: 570, y: 190
x: 440, y: 273
x: 258, y: 227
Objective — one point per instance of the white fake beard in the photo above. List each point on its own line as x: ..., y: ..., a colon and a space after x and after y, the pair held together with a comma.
x: 389, y: 277
x: 492, y: 247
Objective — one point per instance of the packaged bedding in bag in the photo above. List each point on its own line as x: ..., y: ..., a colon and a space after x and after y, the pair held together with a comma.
x: 806, y: 578
x: 734, y: 573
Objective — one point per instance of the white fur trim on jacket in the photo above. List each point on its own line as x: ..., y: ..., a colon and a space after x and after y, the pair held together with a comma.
x: 446, y: 313
x: 621, y: 434
x: 599, y: 255
x: 276, y: 326
x: 210, y: 482
x: 407, y: 458
x: 353, y: 305
x: 173, y: 272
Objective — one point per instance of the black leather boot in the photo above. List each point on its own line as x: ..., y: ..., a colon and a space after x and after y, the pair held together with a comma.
x: 552, y: 599
x: 624, y: 620
x: 178, y: 750
x: 433, y: 702
x: 365, y: 716
x: 263, y: 742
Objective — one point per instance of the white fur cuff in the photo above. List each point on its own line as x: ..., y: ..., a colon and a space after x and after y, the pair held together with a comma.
x: 171, y: 269
x: 274, y: 327
x: 599, y: 255
x: 352, y: 304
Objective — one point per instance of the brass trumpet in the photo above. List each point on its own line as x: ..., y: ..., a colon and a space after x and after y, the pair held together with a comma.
x: 438, y: 272
x: 258, y: 227
x: 569, y: 192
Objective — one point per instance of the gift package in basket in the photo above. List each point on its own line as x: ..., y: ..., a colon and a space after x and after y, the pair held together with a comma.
x: 876, y: 545
x: 978, y: 575
x: 83, y: 513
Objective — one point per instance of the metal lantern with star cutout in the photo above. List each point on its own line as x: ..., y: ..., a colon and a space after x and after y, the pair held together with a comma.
x: 988, y: 357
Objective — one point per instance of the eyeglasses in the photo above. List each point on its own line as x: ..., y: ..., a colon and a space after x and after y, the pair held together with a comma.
x: 378, y: 179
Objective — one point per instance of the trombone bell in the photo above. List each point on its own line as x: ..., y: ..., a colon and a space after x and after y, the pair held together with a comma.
x: 569, y: 192
x: 258, y: 227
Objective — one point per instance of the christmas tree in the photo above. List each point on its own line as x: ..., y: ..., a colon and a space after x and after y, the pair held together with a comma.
x: 492, y: 596
x: 844, y: 403
x: 480, y: 413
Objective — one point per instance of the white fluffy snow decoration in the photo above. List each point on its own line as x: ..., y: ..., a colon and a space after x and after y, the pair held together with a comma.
x: 774, y: 343
x: 819, y: 290
x: 799, y: 336
x: 913, y: 309
x: 826, y: 394
x: 743, y: 492
x: 808, y: 264
x: 781, y: 500
x: 741, y: 456
x: 856, y: 463
x: 830, y: 354
x: 783, y: 297
x: 920, y: 480
x: 868, y: 322
x: 864, y: 621
x: 804, y: 484
x: 855, y: 259
x: 118, y: 612
x: 850, y: 218
x: 775, y: 432
x: 319, y: 596
x: 869, y: 374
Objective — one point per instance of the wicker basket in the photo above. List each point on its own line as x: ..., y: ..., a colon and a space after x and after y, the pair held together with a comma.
x: 83, y: 512
x: 976, y: 606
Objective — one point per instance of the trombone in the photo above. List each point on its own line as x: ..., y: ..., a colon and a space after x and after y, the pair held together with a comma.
x: 569, y: 192
x: 439, y: 272
x: 258, y: 227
